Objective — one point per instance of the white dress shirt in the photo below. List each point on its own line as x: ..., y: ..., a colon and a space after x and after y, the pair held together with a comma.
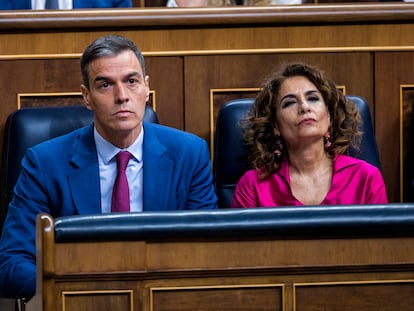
x: 107, y: 171
x: 63, y: 4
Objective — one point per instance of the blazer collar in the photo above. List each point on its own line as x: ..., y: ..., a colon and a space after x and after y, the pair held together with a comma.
x: 158, y: 169
x: 83, y: 174
x: 82, y: 4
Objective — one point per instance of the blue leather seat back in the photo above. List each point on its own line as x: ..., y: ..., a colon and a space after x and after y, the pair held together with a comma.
x: 29, y: 126
x: 288, y: 222
x: 369, y: 149
x: 231, y: 154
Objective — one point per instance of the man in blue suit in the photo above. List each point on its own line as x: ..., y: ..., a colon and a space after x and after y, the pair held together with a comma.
x: 74, y: 174
x: 76, y: 4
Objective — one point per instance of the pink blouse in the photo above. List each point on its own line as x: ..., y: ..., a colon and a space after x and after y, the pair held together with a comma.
x: 353, y: 182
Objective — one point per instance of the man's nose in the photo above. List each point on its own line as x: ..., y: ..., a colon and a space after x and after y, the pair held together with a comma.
x: 121, y: 93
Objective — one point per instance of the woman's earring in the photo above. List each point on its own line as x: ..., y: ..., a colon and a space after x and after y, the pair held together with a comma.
x: 327, y: 140
x: 279, y: 148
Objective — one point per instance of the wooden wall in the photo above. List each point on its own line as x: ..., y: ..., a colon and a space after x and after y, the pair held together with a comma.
x: 198, y: 58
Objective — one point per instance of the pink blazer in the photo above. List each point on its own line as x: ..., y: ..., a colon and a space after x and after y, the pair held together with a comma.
x: 354, y: 181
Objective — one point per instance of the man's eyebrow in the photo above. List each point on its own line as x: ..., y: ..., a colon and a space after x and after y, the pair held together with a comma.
x: 101, y: 78
x: 133, y: 74
x: 129, y: 75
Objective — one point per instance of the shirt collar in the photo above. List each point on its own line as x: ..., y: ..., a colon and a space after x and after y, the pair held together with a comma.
x: 342, y: 161
x: 107, y: 151
x: 339, y: 162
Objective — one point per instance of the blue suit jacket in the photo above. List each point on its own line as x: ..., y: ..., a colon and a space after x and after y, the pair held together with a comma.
x: 177, y: 175
x: 77, y: 4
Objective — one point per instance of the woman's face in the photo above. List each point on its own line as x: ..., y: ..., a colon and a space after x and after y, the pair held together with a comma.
x: 301, y: 113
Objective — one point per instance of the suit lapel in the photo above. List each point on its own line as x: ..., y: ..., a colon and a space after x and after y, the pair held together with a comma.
x: 20, y: 5
x: 157, y: 171
x: 82, y: 4
x: 84, y: 175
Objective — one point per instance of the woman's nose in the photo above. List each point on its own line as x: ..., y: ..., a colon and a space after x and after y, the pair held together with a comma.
x: 304, y: 106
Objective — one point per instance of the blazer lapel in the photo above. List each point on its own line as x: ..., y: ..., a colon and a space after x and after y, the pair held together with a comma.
x: 84, y: 175
x: 82, y: 4
x: 21, y: 5
x: 157, y: 171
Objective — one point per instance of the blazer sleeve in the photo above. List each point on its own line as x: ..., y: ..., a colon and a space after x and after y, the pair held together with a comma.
x: 376, y: 192
x: 17, y: 244
x: 201, y: 191
x: 122, y: 4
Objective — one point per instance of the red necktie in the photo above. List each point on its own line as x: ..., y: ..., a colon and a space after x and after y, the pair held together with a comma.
x: 120, y: 193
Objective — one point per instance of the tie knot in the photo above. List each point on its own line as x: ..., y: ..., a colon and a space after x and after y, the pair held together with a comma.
x: 122, y: 159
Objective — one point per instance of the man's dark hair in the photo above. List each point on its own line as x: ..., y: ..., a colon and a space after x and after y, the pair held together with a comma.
x: 110, y: 45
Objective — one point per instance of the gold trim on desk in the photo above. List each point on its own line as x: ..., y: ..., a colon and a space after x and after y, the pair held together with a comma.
x: 98, y: 292
x: 206, y: 52
x: 406, y: 125
x: 280, y: 286
x: 50, y: 95
x: 376, y: 282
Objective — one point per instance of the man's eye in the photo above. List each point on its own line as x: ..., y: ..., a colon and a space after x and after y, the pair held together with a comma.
x: 132, y: 81
x: 105, y: 84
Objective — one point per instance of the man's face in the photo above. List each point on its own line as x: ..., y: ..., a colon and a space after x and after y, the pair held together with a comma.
x: 117, y: 94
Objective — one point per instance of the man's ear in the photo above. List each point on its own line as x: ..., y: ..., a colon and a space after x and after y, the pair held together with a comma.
x: 85, y: 95
x: 147, y: 80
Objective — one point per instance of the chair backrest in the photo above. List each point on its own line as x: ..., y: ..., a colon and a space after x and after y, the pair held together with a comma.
x: 29, y: 126
x: 231, y: 154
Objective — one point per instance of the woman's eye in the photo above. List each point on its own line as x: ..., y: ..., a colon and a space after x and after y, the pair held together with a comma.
x: 287, y: 103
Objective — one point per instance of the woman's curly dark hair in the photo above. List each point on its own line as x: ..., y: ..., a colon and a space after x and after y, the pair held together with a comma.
x: 267, y: 147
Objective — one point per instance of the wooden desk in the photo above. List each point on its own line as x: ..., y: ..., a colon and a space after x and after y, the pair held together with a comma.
x: 298, y: 261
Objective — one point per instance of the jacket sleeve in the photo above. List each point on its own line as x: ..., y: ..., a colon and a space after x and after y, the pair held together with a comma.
x: 376, y: 191
x: 17, y: 244
x: 201, y: 191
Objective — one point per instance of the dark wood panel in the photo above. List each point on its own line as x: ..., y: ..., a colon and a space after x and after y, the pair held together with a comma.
x: 98, y: 300
x: 356, y: 297
x: 166, y: 80
x: 218, y: 298
x: 102, y: 293
x: 392, y: 71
